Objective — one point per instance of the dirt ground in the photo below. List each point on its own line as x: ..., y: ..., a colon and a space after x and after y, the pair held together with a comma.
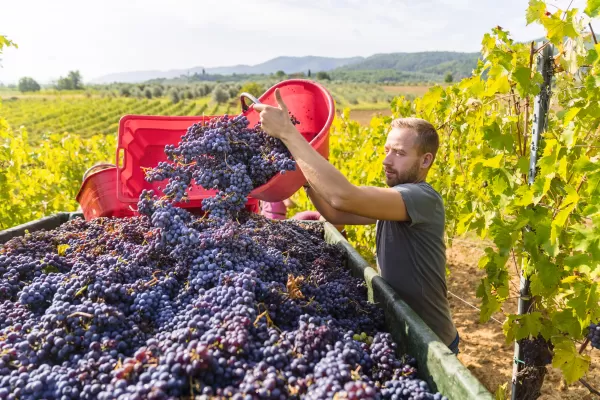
x: 482, y: 346
x: 406, y: 89
x: 364, y: 116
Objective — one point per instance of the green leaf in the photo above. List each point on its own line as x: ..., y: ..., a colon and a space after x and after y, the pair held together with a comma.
x: 586, y: 298
x: 496, y: 138
x: 529, y: 325
x: 567, y: 206
x: 549, y: 274
x: 593, y: 8
x: 577, y: 261
x: 584, y: 165
x: 490, y: 303
x: 527, y: 84
x: 523, y: 165
x: 566, y: 357
x: 523, y: 196
x: 49, y: 269
x: 535, y: 11
x: 565, y: 321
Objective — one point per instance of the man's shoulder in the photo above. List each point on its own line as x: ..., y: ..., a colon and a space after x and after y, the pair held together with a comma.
x: 419, y: 188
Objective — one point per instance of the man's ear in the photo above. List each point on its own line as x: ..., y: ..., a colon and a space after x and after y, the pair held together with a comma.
x: 427, y: 160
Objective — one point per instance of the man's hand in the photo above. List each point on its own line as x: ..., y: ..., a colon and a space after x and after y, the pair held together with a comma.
x: 275, y: 121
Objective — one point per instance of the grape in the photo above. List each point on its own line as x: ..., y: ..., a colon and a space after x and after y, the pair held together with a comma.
x: 594, y: 335
x: 168, y: 304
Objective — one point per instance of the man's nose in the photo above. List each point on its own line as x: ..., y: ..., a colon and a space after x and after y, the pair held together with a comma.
x: 386, y: 160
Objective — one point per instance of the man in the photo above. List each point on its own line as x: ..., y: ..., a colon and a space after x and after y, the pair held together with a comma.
x: 409, y: 214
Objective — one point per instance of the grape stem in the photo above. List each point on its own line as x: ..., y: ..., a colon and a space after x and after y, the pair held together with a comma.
x: 589, y: 387
x: 583, y: 346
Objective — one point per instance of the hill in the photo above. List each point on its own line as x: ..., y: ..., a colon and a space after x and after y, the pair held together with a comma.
x: 399, y: 67
x: 286, y: 64
x: 394, y: 67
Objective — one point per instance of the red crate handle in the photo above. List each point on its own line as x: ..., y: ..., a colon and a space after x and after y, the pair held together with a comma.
x: 245, y: 106
x: 95, y: 167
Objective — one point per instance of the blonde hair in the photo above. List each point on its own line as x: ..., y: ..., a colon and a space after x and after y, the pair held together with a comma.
x: 428, y: 140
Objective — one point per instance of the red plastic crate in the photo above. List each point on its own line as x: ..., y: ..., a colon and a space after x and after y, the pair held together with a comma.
x: 97, y: 195
x: 142, y: 140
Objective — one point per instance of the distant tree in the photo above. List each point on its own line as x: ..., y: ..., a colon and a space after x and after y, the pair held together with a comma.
x: 280, y: 74
x: 309, y: 73
x: 27, y: 84
x: 448, y: 78
x: 220, y: 95
x: 188, y: 94
x: 75, y: 78
x: 148, y: 93
x: 203, y: 71
x: 71, y: 82
x: 157, y: 91
x: 124, y: 91
x: 174, y: 95
x: 234, y: 90
x: 137, y: 93
x: 199, y: 91
x: 253, y: 88
x: 323, y: 75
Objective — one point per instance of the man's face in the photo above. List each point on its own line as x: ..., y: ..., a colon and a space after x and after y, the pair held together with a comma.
x: 402, y: 163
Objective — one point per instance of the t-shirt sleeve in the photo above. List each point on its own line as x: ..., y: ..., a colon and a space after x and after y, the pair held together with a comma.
x: 422, y: 203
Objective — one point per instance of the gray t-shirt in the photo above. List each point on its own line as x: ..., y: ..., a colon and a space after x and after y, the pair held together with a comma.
x: 411, y: 257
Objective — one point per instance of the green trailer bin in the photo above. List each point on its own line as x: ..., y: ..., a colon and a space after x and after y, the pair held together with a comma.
x: 436, y: 364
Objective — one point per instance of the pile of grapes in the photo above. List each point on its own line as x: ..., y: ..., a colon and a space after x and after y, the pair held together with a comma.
x: 169, y: 305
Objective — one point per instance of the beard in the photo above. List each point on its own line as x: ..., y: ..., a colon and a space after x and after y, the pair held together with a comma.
x: 410, y: 175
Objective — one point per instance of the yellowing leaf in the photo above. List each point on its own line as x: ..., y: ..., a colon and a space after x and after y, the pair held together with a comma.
x: 62, y: 249
x: 494, y: 162
x: 557, y: 28
x: 566, y: 357
x: 535, y: 11
x: 593, y: 8
x: 570, y: 114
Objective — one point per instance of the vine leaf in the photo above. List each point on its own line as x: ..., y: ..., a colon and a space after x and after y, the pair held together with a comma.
x: 535, y: 11
x: 593, y: 8
x: 566, y: 357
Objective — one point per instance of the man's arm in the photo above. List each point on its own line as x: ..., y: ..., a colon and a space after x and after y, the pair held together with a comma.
x: 334, y: 216
x: 332, y: 186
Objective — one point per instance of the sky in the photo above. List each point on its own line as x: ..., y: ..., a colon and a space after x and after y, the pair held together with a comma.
x: 99, y: 38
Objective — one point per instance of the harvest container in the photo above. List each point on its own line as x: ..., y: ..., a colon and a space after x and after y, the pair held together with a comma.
x: 142, y: 139
x: 435, y: 362
x: 97, y: 194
